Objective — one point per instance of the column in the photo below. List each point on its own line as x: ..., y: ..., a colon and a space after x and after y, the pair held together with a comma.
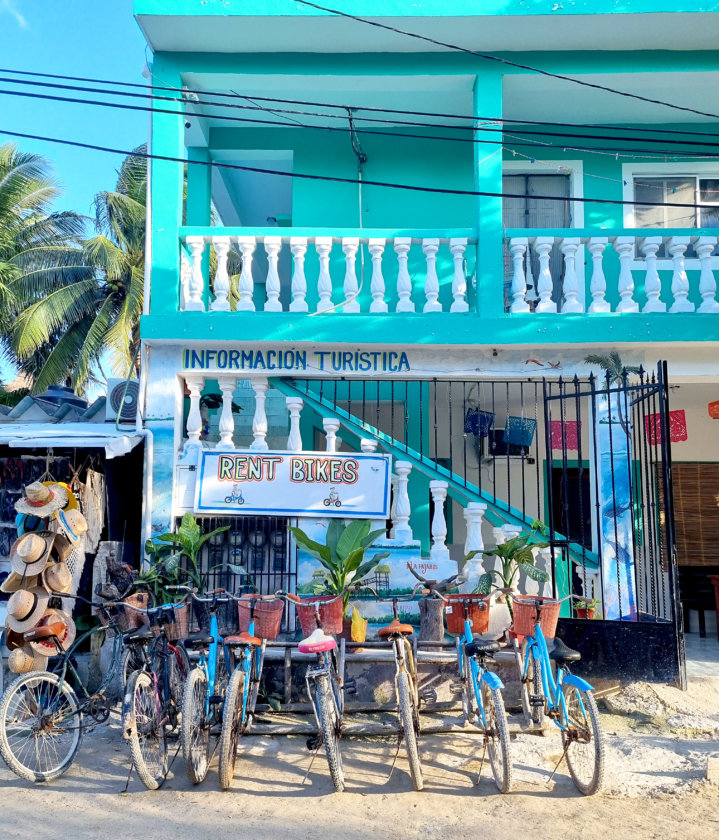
x: 185, y: 277
x: 570, y: 286
x: 195, y: 385
x: 402, y: 245
x: 294, y: 440
x: 350, y: 246
x: 457, y: 247
x: 545, y: 285
x: 393, y: 509
x: 196, y: 244
x: 652, y: 285
x: 259, y: 421
x: 298, y: 246
x: 704, y: 246
x: 472, y: 569
x: 680, y: 281
x: 227, y: 421
x: 222, y: 280
x: 598, y: 284
x: 517, y: 248
x: 439, y: 551
x: 624, y: 246
x: 331, y: 426
x: 376, y: 249
x: 402, y: 530
x: 368, y: 445
x: 323, y: 246
x: 273, y: 244
x: 246, y: 244
x: 431, y: 283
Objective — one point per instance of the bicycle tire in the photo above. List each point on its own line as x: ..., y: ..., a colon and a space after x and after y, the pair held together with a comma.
x: 19, y: 707
x: 329, y: 729
x: 132, y: 660
x: 407, y: 717
x: 497, y: 737
x: 469, y: 701
x: 232, y: 725
x: 145, y: 730
x: 535, y: 687
x: 179, y: 672
x: 195, y: 727
x: 585, y: 757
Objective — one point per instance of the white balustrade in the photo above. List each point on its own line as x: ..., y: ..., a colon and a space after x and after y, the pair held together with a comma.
x: 259, y: 422
x: 518, y: 248
x: 376, y: 249
x: 680, y: 282
x: 222, y: 280
x: 404, y: 281
x: 294, y: 440
x: 439, y: 551
x: 272, y: 284
x: 185, y: 275
x: 598, y: 284
x: 368, y: 445
x: 196, y: 244
x: 298, y: 247
x: 704, y: 246
x: 473, y: 517
x: 652, y: 283
x: 350, y: 246
x: 624, y: 246
x: 331, y: 426
x: 247, y: 245
x: 194, y: 384
x: 545, y: 285
x: 323, y: 246
x: 457, y: 247
x: 393, y: 508
x: 401, y: 528
x: 570, y: 286
x: 431, y: 283
x: 227, y: 421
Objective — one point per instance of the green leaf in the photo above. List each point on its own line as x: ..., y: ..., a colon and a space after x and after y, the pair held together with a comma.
x: 352, y: 536
x: 238, y: 570
x: 534, y: 573
x: 334, y: 532
x: 321, y: 552
x: 367, y: 567
x: 372, y: 537
x: 353, y: 559
x: 484, y: 584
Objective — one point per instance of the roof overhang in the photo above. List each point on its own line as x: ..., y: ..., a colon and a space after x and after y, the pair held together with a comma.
x: 70, y: 435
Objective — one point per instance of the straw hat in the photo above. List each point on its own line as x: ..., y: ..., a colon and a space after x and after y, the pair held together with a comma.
x: 24, y: 659
x: 57, y: 578
x: 47, y: 647
x: 72, y: 503
x: 42, y: 499
x: 29, y: 554
x: 14, y: 581
x: 72, y: 524
x: 61, y: 548
x: 25, y: 608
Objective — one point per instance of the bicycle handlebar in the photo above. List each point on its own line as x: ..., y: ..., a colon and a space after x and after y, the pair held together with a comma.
x: 437, y: 587
x: 393, y: 597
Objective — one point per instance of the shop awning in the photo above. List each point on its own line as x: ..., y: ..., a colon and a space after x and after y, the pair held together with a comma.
x: 71, y: 436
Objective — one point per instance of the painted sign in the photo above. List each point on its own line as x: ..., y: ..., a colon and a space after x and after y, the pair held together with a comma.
x: 290, y: 359
x: 294, y: 484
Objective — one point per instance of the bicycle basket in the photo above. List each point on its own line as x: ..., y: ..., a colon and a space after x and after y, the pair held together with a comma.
x: 478, y: 612
x: 268, y: 616
x: 330, y: 614
x: 525, y: 615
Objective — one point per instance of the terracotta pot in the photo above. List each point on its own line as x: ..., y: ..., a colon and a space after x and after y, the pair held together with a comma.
x: 585, y: 612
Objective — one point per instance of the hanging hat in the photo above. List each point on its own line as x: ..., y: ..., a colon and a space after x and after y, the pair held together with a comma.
x: 57, y: 578
x: 27, y: 522
x: 29, y: 554
x: 25, y: 608
x: 24, y: 659
x: 13, y: 640
x: 61, y: 548
x: 14, y: 581
x: 65, y: 635
x: 42, y: 499
x: 72, y: 503
x: 72, y: 524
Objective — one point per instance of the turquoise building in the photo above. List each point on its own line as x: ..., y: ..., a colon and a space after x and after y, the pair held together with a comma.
x: 403, y: 232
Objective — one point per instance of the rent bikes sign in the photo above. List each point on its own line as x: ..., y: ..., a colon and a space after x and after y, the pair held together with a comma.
x: 294, y: 484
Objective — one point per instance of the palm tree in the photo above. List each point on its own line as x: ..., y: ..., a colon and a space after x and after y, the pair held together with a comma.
x: 615, y: 373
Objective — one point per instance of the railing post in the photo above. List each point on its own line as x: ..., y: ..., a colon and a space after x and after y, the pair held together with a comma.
x: 323, y: 246
x: 185, y: 279
x: 680, y: 281
x: 517, y: 248
x: 404, y: 281
x: 652, y: 285
x: 369, y: 446
x: 624, y: 246
x: 598, y: 284
x: 273, y: 244
x: 227, y: 421
x: 472, y: 569
x: 545, y: 286
x: 222, y: 281
x: 332, y: 426
x: 704, y: 246
x: 431, y: 283
x: 246, y: 244
x: 294, y: 406
x: 195, y: 384
x: 196, y: 244
x: 350, y: 246
x: 376, y: 249
x: 570, y: 286
x: 439, y: 551
x: 298, y: 246
x: 393, y: 509
x: 457, y: 248
x: 259, y: 421
x: 402, y: 530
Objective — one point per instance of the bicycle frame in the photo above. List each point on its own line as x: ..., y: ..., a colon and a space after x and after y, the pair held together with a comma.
x: 250, y: 658
x: 209, y: 663
x: 486, y: 676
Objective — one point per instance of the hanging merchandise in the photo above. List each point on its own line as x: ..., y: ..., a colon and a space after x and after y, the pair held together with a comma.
x: 519, y: 431
x: 93, y: 505
x: 714, y: 410
x: 565, y: 434
x: 677, y: 427
x: 42, y: 499
x: 478, y: 423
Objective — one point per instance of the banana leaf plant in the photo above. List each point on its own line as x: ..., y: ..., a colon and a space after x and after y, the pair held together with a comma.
x: 188, y: 541
x: 342, y: 556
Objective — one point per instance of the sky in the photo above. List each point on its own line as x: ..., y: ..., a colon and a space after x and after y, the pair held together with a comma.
x: 92, y: 38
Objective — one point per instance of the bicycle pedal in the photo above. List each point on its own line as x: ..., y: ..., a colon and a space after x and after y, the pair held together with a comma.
x: 456, y: 686
x: 350, y: 685
x: 428, y: 695
x: 536, y: 700
x: 314, y: 742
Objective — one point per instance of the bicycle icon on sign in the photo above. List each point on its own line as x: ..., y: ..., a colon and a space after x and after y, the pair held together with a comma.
x: 333, y: 498
x: 235, y: 496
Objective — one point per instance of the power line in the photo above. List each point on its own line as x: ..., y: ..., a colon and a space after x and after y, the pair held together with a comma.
x: 488, y: 57
x: 341, y: 180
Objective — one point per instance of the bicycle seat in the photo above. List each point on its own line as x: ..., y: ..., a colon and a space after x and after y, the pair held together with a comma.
x: 242, y: 639
x: 198, y: 640
x: 561, y: 653
x: 317, y: 642
x: 56, y: 629
x: 395, y: 628
x: 481, y: 646
x: 142, y: 634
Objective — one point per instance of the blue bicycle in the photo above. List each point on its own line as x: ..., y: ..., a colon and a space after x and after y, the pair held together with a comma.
x: 567, y: 700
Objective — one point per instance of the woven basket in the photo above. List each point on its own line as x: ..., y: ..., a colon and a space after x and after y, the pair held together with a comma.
x: 330, y: 614
x: 126, y: 620
x: 478, y: 613
x: 268, y: 616
x: 525, y: 615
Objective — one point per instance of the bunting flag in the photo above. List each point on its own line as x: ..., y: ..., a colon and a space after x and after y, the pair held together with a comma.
x: 565, y: 434
x: 677, y: 427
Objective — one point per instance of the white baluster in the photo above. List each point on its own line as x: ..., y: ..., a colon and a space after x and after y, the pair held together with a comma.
x: 185, y: 276
x: 196, y: 244
x: 332, y: 426
x: 531, y: 294
x: 517, y: 248
x: 545, y: 286
x: 227, y: 421
x: 221, y: 286
x: 376, y: 249
x: 368, y: 445
x: 259, y: 421
x: 472, y: 569
x: 298, y: 246
x: 350, y: 246
x: 195, y: 384
x: 393, y: 509
x: 404, y: 281
x: 652, y: 284
x: 624, y: 246
x: 246, y: 244
x: 543, y: 561
x: 273, y: 244
x: 439, y: 551
x: 431, y: 283
x: 704, y: 246
x: 294, y: 441
x: 680, y: 281
x: 598, y: 284
x: 402, y: 530
x: 457, y: 247
x: 323, y: 246
x: 570, y: 286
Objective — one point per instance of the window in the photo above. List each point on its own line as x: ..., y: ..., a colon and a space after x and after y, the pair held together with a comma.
x: 681, y: 189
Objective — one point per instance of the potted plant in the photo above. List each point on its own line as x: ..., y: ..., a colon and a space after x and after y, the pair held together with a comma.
x: 342, y: 558
x: 585, y: 607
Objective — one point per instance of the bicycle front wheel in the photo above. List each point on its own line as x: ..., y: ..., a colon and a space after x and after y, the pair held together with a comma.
x: 583, y: 740
x: 132, y: 660
x: 146, y: 730
x: 232, y: 724
x: 195, y: 727
x: 330, y: 730
x: 179, y: 665
x: 40, y: 726
x: 496, y: 737
x: 535, y: 686
x: 407, y: 717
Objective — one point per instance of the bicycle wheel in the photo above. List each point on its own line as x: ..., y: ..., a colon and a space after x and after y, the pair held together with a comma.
x: 497, y: 737
x: 195, y: 727
x: 535, y: 687
x: 132, y: 660
x: 469, y: 700
x: 222, y: 679
x: 407, y: 718
x: 330, y: 730
x: 146, y: 731
x: 585, y: 753
x: 232, y: 724
x: 179, y: 671
x: 40, y: 726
